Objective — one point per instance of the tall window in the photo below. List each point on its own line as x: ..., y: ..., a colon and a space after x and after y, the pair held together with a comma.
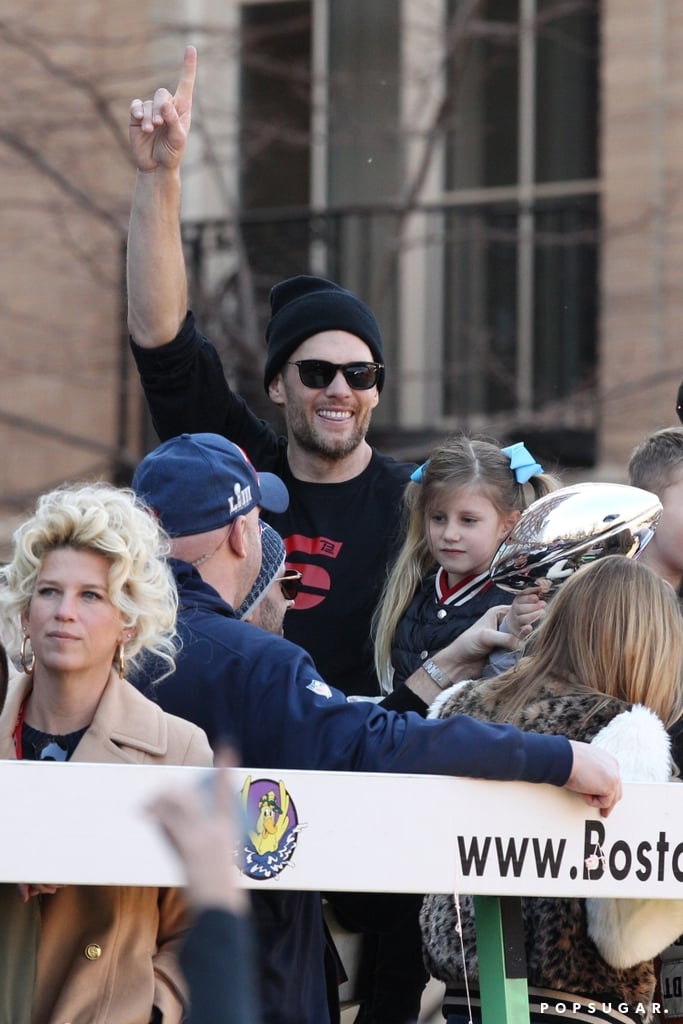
x: 275, y: 104
x: 275, y: 134
x: 521, y: 187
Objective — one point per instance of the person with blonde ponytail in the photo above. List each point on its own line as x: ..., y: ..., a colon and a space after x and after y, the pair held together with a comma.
x: 460, y: 506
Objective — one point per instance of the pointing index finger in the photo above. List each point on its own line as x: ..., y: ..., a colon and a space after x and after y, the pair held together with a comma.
x: 187, y: 76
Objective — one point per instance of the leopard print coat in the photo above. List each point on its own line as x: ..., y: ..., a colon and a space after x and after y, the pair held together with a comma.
x: 560, y: 952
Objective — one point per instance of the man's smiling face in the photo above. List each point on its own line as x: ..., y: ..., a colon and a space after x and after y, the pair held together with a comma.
x: 333, y: 421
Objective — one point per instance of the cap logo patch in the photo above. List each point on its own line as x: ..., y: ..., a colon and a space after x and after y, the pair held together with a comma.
x: 241, y: 499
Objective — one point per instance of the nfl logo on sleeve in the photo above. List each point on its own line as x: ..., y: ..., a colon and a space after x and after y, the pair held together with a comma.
x: 322, y: 689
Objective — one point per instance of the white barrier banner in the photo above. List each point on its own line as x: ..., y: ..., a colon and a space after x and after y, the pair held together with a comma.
x: 347, y: 831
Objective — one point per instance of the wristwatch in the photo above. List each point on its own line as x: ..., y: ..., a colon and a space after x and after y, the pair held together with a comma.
x: 435, y: 673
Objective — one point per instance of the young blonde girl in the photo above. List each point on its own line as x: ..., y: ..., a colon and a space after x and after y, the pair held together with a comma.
x: 460, y: 505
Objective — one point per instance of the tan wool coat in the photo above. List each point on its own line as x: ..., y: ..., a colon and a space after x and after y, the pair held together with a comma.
x: 108, y: 953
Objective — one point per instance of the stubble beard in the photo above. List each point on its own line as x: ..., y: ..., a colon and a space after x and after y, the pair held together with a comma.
x: 311, y: 441
x: 271, y: 618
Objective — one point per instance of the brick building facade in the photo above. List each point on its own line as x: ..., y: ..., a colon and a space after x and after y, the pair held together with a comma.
x: 70, y: 406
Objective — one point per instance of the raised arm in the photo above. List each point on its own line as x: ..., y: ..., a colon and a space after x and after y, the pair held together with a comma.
x: 157, y: 283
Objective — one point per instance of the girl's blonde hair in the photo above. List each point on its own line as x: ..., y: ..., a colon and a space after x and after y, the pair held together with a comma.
x: 107, y: 521
x: 461, y: 461
x: 613, y: 629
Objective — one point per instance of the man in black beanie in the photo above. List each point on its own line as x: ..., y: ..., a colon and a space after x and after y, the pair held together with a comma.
x: 325, y: 369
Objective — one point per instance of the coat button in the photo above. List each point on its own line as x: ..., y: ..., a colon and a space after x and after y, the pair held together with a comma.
x: 442, y: 613
x: 423, y: 655
x: 93, y: 951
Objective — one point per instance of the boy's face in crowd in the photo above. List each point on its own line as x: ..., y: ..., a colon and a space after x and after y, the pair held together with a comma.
x: 667, y: 543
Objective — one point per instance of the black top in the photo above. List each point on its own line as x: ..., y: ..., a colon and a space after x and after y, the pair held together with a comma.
x: 43, y: 746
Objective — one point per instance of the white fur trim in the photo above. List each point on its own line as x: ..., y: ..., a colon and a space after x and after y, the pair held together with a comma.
x: 640, y: 743
x: 445, y: 695
x: 627, y: 932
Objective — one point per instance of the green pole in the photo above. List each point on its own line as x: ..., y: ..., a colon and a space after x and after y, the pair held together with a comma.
x: 502, y: 960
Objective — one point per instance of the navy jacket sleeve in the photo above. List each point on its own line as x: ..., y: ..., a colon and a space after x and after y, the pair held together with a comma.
x: 403, y: 699
x: 327, y: 731
x: 218, y: 962
x: 266, y: 694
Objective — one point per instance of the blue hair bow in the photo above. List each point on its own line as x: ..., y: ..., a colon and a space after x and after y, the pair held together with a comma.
x: 522, y: 463
x: 417, y: 476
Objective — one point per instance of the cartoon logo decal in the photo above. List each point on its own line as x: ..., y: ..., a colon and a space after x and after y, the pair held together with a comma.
x: 272, y: 827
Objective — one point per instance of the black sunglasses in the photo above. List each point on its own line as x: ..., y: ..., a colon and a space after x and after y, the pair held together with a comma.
x: 290, y: 584
x: 318, y: 373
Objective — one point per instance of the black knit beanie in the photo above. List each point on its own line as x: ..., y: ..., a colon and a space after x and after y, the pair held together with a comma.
x: 303, y: 306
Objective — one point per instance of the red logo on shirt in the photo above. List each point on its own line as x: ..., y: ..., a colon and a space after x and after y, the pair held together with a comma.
x: 316, y: 580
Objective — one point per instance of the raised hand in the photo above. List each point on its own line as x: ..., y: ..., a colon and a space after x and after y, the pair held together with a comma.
x: 203, y: 825
x: 158, y: 128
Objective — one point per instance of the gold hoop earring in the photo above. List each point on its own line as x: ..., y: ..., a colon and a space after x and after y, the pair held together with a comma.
x: 26, y: 664
x: 121, y: 660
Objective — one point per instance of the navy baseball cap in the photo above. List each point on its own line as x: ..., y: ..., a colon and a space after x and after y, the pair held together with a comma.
x: 199, y: 482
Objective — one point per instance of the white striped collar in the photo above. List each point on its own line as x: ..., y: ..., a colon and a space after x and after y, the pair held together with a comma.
x: 464, y: 591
